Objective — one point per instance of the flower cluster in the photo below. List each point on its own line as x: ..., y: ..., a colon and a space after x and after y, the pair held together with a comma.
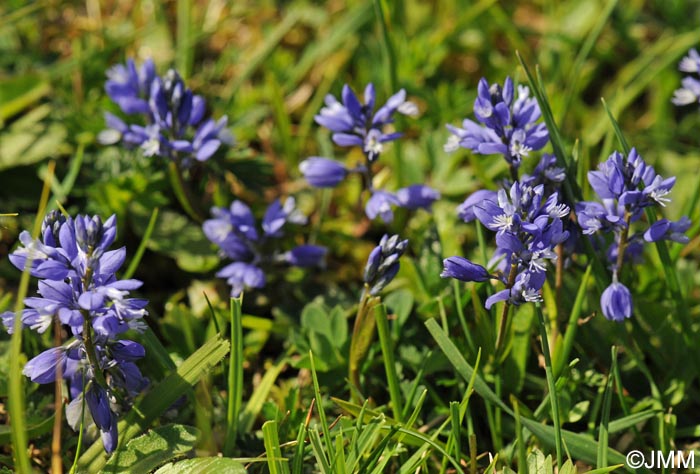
x: 626, y: 185
x: 526, y: 213
x: 357, y: 124
x: 383, y: 263
x: 689, y: 93
x: 234, y: 231
x: 507, y: 126
x: 528, y: 227
x: 78, y: 288
x: 174, y: 125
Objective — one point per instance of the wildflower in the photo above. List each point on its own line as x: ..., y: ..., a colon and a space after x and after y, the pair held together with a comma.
x: 417, y: 196
x: 357, y: 124
x: 235, y: 232
x: 616, y: 302
x: 507, y: 126
x: 79, y: 288
x: 175, y: 124
x: 464, y: 270
x: 663, y: 229
x: 383, y: 263
x: 322, y: 172
x: 689, y: 93
x: 626, y: 185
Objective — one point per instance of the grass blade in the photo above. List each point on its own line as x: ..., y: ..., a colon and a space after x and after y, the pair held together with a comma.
x: 321, y: 412
x: 553, y: 397
x: 15, y: 388
x: 275, y: 462
x: 136, y: 259
x: 602, y: 460
x: 235, y: 375
x: 389, y: 363
x: 159, y: 399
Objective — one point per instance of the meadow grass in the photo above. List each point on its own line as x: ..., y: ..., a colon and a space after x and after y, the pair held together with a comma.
x: 277, y: 380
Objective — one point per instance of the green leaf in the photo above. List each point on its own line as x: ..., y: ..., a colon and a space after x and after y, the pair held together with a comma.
x: 32, y: 138
x: 204, y: 466
x: 275, y: 462
x: 538, y: 464
x: 18, y: 93
x: 178, y: 237
x: 153, y: 449
x: 160, y: 398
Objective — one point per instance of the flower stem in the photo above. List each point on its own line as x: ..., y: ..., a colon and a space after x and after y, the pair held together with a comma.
x: 622, y: 245
x: 182, y: 193
x: 56, y: 460
x: 504, y: 316
x: 362, y: 335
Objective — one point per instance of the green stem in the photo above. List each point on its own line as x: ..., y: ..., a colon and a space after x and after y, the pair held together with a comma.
x: 389, y: 363
x: 15, y: 389
x: 553, y: 398
x: 235, y: 376
x: 504, y: 316
x: 182, y: 193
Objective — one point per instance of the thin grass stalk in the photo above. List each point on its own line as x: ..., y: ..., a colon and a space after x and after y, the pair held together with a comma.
x: 15, y: 402
x: 605, y: 416
x: 235, y: 375
x: 389, y: 362
x: 136, y: 259
x: 553, y: 397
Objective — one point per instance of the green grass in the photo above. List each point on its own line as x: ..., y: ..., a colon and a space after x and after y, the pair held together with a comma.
x: 300, y: 391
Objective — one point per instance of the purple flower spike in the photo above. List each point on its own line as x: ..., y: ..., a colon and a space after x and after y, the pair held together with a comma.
x: 173, y: 125
x: 383, y: 263
x: 506, y: 126
x: 356, y: 124
x: 464, y: 270
x: 616, y: 302
x: 322, y: 172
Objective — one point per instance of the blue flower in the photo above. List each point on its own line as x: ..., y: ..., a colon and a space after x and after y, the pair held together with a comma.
x: 383, y: 263
x: 417, y: 196
x: 322, y: 172
x: 690, y: 92
x: 78, y: 287
x: 380, y: 204
x: 464, y: 270
x: 526, y: 289
x: 235, y: 232
x: 507, y: 126
x: 175, y: 124
x: 663, y: 229
x: 616, y: 302
x: 356, y: 124
x: 307, y: 256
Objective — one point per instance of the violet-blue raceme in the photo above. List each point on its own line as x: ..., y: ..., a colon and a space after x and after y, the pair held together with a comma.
x: 527, y: 213
x: 507, y: 125
x: 253, y: 251
x: 173, y: 121
x: 383, y: 263
x: 626, y: 185
x: 356, y: 124
x: 78, y: 288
